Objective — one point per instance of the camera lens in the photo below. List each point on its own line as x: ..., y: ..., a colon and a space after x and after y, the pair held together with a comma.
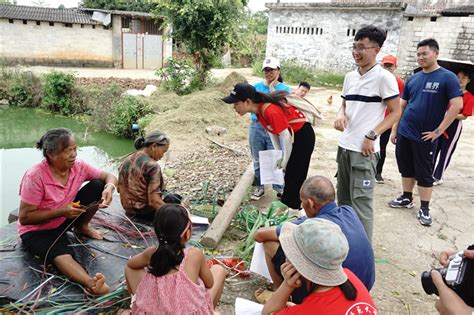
x: 427, y: 283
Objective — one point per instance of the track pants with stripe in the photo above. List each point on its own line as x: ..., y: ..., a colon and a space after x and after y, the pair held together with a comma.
x: 446, y: 147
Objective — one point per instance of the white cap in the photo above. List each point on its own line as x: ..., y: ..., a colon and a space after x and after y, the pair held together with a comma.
x: 271, y: 62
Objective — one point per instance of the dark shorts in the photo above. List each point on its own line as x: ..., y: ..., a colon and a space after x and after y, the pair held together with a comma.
x: 415, y: 160
x: 52, y: 243
x: 298, y: 294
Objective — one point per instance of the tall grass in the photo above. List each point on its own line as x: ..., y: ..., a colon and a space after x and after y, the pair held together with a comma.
x: 293, y: 72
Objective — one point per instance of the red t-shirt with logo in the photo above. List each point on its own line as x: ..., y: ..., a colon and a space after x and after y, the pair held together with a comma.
x: 275, y: 119
x: 334, y: 302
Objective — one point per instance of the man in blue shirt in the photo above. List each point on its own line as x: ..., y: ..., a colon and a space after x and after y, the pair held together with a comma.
x: 424, y: 103
x: 259, y: 140
x: 317, y: 197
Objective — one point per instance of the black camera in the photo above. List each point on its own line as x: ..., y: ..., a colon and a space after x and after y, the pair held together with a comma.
x: 459, y: 276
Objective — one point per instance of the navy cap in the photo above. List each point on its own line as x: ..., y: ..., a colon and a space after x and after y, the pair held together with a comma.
x: 241, y: 92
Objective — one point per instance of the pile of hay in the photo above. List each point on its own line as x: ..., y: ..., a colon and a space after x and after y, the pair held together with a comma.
x: 187, y: 116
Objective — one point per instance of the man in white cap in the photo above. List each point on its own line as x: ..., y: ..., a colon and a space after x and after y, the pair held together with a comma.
x: 259, y: 140
x: 315, y: 251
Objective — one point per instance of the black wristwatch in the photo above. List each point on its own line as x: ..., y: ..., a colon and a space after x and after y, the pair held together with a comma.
x: 371, y: 135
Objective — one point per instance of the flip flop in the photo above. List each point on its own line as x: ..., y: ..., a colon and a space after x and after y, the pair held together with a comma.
x: 263, y: 295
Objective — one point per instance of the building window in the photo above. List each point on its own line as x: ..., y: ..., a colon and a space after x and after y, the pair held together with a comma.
x: 353, y: 32
x: 68, y: 25
x: 348, y: 32
x: 433, y: 19
x: 38, y: 23
x: 93, y: 26
x: 410, y: 18
x: 321, y: 31
x: 10, y: 21
x: 51, y: 23
x: 312, y: 31
x: 25, y: 22
x: 82, y: 25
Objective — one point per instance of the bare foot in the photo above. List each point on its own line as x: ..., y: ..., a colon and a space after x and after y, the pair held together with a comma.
x: 89, y: 232
x: 99, y: 287
x: 263, y: 295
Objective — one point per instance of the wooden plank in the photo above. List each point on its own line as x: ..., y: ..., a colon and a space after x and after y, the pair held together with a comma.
x: 222, y: 221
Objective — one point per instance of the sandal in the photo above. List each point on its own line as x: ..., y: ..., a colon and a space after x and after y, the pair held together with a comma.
x: 263, y: 295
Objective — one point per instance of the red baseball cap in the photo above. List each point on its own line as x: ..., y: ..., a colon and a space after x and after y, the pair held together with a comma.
x: 389, y: 59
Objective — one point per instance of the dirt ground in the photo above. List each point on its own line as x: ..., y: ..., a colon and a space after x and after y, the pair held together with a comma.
x: 403, y: 248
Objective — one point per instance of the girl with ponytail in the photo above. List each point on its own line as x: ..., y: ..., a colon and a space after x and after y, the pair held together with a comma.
x: 169, y: 278
x: 289, y: 131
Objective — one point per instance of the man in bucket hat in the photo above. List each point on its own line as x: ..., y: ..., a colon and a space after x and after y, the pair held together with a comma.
x: 315, y: 251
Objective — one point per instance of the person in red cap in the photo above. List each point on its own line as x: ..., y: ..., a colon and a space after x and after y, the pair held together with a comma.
x: 389, y: 62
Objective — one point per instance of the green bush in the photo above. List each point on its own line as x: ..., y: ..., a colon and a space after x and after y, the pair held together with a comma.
x: 99, y: 103
x: 180, y: 77
x: 20, y: 88
x: 58, y: 93
x: 127, y: 112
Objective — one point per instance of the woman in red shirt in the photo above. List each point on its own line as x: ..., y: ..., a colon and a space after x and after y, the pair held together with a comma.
x: 447, y: 143
x: 289, y: 132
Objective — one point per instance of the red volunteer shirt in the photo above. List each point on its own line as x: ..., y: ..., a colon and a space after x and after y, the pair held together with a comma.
x: 401, y: 85
x: 334, y: 302
x: 468, y: 104
x: 275, y: 119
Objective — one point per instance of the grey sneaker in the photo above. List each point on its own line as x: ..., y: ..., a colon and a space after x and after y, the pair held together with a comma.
x: 379, y: 178
x: 257, y: 194
x: 402, y: 202
x: 424, y: 217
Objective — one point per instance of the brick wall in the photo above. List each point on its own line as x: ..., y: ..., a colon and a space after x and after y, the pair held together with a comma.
x: 55, y: 45
x: 322, y: 37
x: 454, y: 34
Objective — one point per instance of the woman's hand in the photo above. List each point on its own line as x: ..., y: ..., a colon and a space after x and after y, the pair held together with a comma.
x: 290, y: 275
x: 107, y: 195
x: 71, y: 212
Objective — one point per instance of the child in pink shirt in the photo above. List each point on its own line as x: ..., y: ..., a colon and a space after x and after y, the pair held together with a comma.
x: 170, y: 279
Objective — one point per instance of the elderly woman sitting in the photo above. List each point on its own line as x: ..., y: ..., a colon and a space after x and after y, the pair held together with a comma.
x: 141, y: 184
x: 52, y: 201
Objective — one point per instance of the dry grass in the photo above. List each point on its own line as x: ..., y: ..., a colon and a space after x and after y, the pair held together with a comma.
x: 188, y: 115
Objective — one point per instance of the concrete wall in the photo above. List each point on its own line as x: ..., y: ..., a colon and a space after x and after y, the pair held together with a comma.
x: 454, y: 34
x: 331, y: 49
x: 55, y: 45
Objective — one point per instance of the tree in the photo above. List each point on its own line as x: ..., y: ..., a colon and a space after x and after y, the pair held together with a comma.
x: 121, y: 5
x: 204, y: 27
x: 250, y: 39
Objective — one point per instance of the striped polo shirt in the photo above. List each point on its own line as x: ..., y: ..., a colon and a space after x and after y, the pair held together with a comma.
x: 365, y: 95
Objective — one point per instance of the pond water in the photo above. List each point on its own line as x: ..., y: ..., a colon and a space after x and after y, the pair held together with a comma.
x: 20, y: 128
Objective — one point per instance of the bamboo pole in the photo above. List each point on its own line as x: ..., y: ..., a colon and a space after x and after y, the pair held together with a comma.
x: 222, y: 221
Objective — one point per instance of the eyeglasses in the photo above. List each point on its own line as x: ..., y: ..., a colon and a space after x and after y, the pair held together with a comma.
x: 361, y: 48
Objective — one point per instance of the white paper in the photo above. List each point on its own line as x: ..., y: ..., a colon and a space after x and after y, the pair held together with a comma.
x: 258, y: 263
x: 199, y: 220
x: 247, y: 307
x: 269, y: 173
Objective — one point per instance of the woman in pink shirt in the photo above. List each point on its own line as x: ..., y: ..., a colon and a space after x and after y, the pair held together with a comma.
x: 171, y: 279
x: 47, y: 211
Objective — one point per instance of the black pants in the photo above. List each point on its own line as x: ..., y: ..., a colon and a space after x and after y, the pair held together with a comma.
x: 446, y: 147
x: 298, y: 165
x: 55, y: 241
x: 384, y: 138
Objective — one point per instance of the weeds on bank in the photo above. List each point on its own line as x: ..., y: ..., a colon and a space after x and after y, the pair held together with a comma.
x: 293, y: 72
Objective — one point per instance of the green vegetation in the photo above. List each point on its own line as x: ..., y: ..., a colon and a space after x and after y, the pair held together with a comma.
x: 20, y: 88
x: 250, y: 39
x: 123, y: 5
x: 203, y: 28
x: 127, y: 112
x: 57, y: 93
x: 293, y: 72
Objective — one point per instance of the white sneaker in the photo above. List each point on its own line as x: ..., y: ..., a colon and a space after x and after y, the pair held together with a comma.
x: 257, y: 194
x: 437, y: 182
